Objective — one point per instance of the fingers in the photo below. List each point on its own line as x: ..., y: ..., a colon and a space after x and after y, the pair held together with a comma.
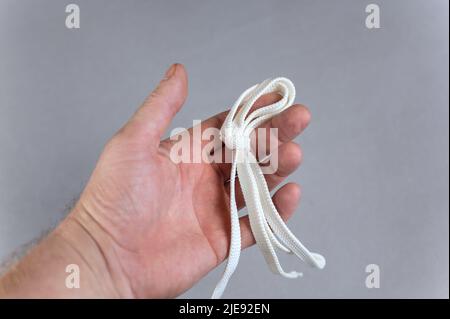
x: 289, y: 123
x: 154, y: 116
x: 217, y: 120
x: 286, y: 200
x: 289, y: 159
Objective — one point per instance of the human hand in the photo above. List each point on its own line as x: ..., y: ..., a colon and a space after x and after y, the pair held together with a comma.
x: 153, y: 228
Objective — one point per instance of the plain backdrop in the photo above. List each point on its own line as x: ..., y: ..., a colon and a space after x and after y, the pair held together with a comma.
x: 375, y: 176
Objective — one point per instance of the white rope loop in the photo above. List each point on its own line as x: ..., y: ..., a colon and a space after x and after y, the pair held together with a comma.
x: 267, y: 226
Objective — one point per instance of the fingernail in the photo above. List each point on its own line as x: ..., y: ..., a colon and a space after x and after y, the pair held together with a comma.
x: 171, y: 71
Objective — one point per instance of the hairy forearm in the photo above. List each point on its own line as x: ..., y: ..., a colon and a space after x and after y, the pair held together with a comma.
x: 42, y: 273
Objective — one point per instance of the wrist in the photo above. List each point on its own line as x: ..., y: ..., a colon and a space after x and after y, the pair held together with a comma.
x: 98, y: 251
x: 78, y: 248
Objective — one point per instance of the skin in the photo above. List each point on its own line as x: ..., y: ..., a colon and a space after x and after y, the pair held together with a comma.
x: 145, y: 227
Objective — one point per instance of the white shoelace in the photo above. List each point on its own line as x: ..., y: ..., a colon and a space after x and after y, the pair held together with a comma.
x: 268, y: 228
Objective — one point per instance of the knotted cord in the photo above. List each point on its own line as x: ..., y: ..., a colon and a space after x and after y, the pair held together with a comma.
x: 267, y: 226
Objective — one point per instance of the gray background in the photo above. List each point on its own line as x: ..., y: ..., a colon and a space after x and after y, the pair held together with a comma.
x: 376, y: 157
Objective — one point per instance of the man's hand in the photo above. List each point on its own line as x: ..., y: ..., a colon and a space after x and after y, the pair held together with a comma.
x: 145, y: 227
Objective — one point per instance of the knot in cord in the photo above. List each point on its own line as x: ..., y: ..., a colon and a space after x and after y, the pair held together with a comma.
x: 267, y: 226
x: 235, y: 137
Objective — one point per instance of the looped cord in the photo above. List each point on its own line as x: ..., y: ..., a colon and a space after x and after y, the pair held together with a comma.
x: 268, y: 228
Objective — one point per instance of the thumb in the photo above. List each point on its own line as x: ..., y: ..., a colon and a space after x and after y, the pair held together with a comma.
x: 154, y: 116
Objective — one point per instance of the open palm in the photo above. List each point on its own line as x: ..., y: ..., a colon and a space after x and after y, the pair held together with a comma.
x: 168, y: 223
